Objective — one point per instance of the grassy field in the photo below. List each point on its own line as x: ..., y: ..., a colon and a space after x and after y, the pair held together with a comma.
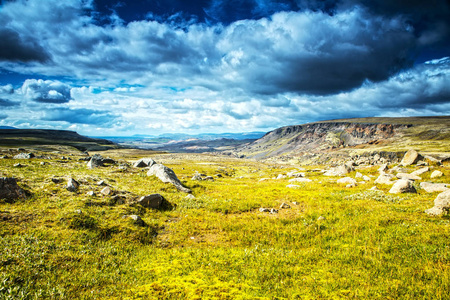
x: 332, y: 243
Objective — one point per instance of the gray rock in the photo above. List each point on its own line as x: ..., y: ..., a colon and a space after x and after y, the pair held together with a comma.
x: 151, y: 201
x: 190, y: 197
x: 167, y: 175
x: 24, y: 156
x: 420, y: 171
x: 197, y: 177
x: 422, y: 163
x: 90, y: 193
x: 441, y: 204
x: 144, y: 162
x: 107, y: 191
x: 339, y: 171
x: 101, y: 183
x: 347, y: 180
x: 95, y: 162
x: 383, y: 168
x: 9, y: 190
x: 137, y: 220
x: 402, y: 186
x: 436, y: 174
x: 284, y: 206
x: 18, y: 165
x: 384, y: 179
x: 411, y: 157
x: 434, y: 187
x: 408, y: 176
x: 210, y: 178
x: 72, y: 185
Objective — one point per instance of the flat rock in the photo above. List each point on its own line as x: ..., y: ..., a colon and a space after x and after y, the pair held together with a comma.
x: 167, y: 175
x: 384, y: 179
x: 420, y: 171
x: 430, y: 187
x: 9, y: 190
x: 411, y: 157
x: 347, y: 180
x: 151, y: 201
x: 441, y: 204
x: 408, y: 176
x: 300, y: 180
x: 402, y: 186
x: 436, y: 174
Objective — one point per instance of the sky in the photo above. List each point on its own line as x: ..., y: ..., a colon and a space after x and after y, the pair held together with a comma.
x: 119, y: 68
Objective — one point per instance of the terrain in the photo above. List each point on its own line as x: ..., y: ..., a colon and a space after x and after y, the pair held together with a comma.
x: 272, y: 228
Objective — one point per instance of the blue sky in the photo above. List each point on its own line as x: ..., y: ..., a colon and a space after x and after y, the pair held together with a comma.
x: 151, y: 66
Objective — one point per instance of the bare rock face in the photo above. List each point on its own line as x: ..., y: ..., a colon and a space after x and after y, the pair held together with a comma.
x: 151, y: 201
x: 9, y: 190
x: 434, y: 187
x: 144, y: 162
x: 441, y: 204
x: 402, y: 186
x: 411, y: 157
x: 167, y: 175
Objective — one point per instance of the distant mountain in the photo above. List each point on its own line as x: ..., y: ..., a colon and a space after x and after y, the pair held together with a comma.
x: 7, y: 127
x: 214, y: 136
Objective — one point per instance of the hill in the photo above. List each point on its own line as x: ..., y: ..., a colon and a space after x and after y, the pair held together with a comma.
x: 352, y: 136
x: 45, y: 138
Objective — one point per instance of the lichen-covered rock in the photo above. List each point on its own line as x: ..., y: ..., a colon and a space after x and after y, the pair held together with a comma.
x: 441, y: 204
x: 436, y: 174
x: 9, y: 190
x: 402, y: 186
x: 430, y: 187
x: 408, y: 176
x: 420, y: 171
x: 411, y: 157
x: 167, y: 175
x: 384, y: 179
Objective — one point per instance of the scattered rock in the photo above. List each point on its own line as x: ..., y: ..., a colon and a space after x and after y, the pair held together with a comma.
x: 434, y: 187
x: 24, y: 156
x: 9, y: 190
x: 339, y: 171
x: 269, y: 210
x: 358, y: 175
x: 374, y: 188
x: 42, y: 163
x: 151, y: 201
x: 107, y: 191
x: 293, y: 186
x: 56, y: 180
x: 72, y: 185
x: 95, y: 162
x: 408, y: 176
x: 18, y: 165
x: 383, y: 168
x: 432, y: 160
x: 366, y: 178
x: 218, y: 175
x: 421, y: 163
x: 402, y: 186
x: 90, y: 193
x: 420, y: 171
x: 144, y: 162
x: 384, y: 179
x: 210, y: 178
x: 411, y: 157
x: 295, y: 174
x: 197, y: 177
x: 347, y: 180
x: 264, y: 179
x: 441, y: 204
x: 300, y: 180
x: 167, y: 175
x: 137, y: 220
x: 284, y: 206
x: 190, y: 197
x: 281, y: 176
x: 436, y: 174
x: 101, y: 183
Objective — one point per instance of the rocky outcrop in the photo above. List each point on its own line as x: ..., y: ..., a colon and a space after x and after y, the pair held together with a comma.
x: 167, y: 175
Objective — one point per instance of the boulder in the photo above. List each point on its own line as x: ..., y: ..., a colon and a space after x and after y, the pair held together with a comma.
x: 9, y: 190
x: 284, y: 206
x: 411, y: 157
x: 72, y: 185
x: 167, y: 175
x: 197, y: 177
x: 347, y: 180
x: 293, y: 186
x: 151, y: 201
x: 436, y: 174
x: 339, y: 171
x: 24, y: 156
x: 402, y: 186
x: 384, y: 179
x: 210, y: 178
x: 430, y: 187
x: 137, y: 220
x: 107, y: 191
x: 420, y: 171
x: 383, y: 168
x: 95, y: 162
x: 144, y: 162
x: 441, y: 204
x: 366, y: 178
x: 358, y: 175
x: 408, y: 176
x: 300, y: 180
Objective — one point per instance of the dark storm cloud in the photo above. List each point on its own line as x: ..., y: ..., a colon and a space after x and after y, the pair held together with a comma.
x: 79, y: 116
x: 7, y: 103
x: 15, y: 48
x: 46, y: 91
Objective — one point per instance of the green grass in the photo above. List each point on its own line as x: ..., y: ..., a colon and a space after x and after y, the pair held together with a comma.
x: 368, y: 245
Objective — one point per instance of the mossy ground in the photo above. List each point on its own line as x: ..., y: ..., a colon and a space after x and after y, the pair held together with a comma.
x: 368, y: 245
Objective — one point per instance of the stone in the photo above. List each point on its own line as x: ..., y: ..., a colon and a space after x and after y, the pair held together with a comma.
x: 167, y: 175
x: 42, y: 163
x: 402, y: 186
x: 421, y: 163
x: 151, y: 201
x: 321, y: 218
x: 72, y: 185
x: 300, y: 180
x: 384, y: 179
x: 339, y: 171
x: 9, y: 190
x: 358, y: 175
x: 411, y: 157
x: 408, y: 176
x: 56, y: 180
x: 281, y: 176
x: 284, y: 206
x: 107, y: 191
x: 441, y: 204
x: 18, y: 165
x: 24, y: 156
x: 433, y: 160
x: 430, y: 187
x: 264, y: 179
x: 190, y: 197
x: 347, y: 180
x: 374, y: 188
x: 137, y: 220
x: 210, y: 178
x: 95, y: 162
x: 269, y: 210
x: 383, y: 168
x: 197, y: 177
x: 420, y: 171
x: 295, y: 174
x: 293, y: 186
x: 366, y: 178
x: 436, y: 174
x: 90, y: 193
x: 101, y: 183
x: 144, y: 162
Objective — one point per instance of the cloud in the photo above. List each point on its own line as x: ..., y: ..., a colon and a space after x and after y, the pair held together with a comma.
x: 7, y: 103
x: 79, y: 116
x: 6, y: 89
x: 15, y: 48
x: 46, y: 91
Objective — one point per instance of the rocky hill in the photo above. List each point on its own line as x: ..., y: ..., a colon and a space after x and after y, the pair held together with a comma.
x: 352, y: 137
x: 46, y: 137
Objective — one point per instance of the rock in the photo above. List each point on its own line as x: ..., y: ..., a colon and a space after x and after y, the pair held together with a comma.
x: 441, y: 204
x: 420, y: 171
x: 167, y: 175
x: 358, y: 175
x: 95, y: 162
x: 18, y: 165
x: 284, y: 206
x: 421, y: 163
x: 347, y: 180
x: 218, y: 175
x: 264, y: 179
x: 9, y: 190
x: 210, y: 178
x: 366, y: 178
x: 281, y: 176
x: 300, y: 180
x: 384, y: 179
x: 436, y: 174
x: 321, y: 218
x: 383, y: 168
x: 151, y: 201
x: 90, y: 193
x: 107, y: 191
x: 374, y: 188
x: 293, y: 186
x: 402, y: 186
x: 190, y: 197
x: 411, y: 157
x: 295, y: 174
x: 197, y: 177
x: 101, y: 183
x: 434, y: 187
x: 408, y: 176
x: 269, y: 210
x: 144, y: 162
x: 24, y: 156
x: 72, y: 185
x: 339, y: 171
x: 108, y: 161
x: 56, y: 180
x: 42, y: 163
x: 137, y: 220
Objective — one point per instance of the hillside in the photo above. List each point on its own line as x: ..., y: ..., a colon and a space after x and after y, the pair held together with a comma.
x: 48, y: 139
x: 353, y: 136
